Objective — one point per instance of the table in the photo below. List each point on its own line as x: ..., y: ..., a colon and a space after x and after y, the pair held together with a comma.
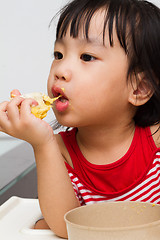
x: 17, y: 170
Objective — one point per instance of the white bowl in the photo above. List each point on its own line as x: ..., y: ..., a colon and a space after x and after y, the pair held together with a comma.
x: 114, y: 221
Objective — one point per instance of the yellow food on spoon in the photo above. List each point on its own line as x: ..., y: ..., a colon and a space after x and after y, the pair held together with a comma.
x: 44, y: 103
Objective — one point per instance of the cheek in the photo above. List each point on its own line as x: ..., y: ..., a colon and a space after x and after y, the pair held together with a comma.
x: 84, y: 93
x: 49, y: 86
x: 50, y: 76
x: 85, y: 102
x: 50, y: 82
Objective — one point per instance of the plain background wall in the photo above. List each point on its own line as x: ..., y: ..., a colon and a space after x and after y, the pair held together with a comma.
x: 26, y: 44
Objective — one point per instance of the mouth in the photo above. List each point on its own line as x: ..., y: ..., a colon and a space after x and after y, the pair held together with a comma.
x: 62, y: 102
x: 57, y: 91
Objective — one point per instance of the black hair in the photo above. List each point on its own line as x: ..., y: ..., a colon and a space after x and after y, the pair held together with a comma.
x: 137, y: 24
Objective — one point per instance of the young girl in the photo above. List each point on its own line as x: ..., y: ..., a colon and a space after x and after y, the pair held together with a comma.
x: 107, y: 68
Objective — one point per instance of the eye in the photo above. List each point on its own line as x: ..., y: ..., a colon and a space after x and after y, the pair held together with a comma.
x: 87, y: 58
x: 58, y: 55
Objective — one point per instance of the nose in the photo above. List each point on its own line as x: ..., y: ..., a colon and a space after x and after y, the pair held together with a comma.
x: 63, y: 72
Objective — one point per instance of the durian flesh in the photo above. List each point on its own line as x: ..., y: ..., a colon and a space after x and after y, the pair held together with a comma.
x: 44, y: 103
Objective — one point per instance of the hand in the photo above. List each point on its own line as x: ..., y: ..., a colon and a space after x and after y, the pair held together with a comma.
x: 21, y: 123
x: 41, y: 224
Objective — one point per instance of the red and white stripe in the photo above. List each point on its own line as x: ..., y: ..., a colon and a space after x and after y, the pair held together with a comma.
x: 147, y: 191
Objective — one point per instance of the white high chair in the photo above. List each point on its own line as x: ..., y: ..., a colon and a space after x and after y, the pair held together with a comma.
x: 17, y: 218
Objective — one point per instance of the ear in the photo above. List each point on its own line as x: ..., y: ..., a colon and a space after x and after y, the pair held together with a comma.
x: 140, y: 91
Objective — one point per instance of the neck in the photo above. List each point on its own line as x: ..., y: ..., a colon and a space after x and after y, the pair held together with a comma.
x: 109, y: 142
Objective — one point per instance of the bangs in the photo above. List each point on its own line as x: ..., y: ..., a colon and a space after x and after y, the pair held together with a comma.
x: 76, y: 18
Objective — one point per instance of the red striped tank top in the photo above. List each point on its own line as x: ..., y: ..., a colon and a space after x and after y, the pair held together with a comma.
x: 134, y: 177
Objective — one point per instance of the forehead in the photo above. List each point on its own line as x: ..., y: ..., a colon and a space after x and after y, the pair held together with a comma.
x: 96, y: 31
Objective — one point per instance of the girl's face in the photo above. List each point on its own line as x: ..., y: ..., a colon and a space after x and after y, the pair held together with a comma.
x: 93, y: 78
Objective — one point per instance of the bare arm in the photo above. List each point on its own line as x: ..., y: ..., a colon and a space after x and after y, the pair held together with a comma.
x: 56, y: 195
x: 55, y: 191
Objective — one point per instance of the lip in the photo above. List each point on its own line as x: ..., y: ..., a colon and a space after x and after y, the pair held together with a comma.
x: 59, y: 105
x: 56, y: 91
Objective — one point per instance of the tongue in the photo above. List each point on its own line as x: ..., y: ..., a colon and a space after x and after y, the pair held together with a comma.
x: 62, y: 99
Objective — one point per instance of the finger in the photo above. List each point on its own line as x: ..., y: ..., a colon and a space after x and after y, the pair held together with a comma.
x: 3, y: 106
x: 26, y: 107
x: 3, y: 115
x: 15, y: 92
x: 13, y: 109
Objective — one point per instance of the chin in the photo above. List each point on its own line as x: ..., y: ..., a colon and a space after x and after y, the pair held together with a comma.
x: 66, y: 122
x: 63, y: 121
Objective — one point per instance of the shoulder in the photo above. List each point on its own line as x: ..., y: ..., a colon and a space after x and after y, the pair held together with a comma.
x: 63, y: 149
x: 155, y: 130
